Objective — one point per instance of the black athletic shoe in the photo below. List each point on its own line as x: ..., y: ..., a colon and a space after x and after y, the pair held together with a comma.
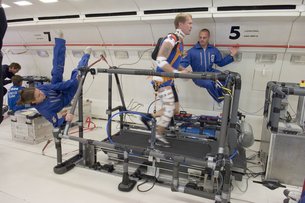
x: 4, y: 109
x: 146, y: 119
x: 172, y: 122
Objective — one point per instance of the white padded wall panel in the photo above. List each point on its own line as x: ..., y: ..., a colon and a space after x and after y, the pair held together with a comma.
x: 292, y: 72
x: 86, y: 33
x: 254, y: 32
x: 44, y: 64
x: 126, y: 33
x: 12, y: 37
x: 73, y: 33
x: 27, y: 62
x: 298, y: 32
x: 34, y: 35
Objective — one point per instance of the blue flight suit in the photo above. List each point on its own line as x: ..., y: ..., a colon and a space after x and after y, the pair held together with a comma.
x: 302, y: 200
x: 59, y: 93
x: 202, y: 60
x: 13, y: 97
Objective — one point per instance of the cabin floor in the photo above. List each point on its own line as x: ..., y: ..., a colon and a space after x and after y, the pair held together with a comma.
x: 26, y: 176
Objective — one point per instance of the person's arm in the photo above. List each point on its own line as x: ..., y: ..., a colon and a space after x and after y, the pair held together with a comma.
x: 53, y: 118
x: 164, y: 52
x: 5, y: 82
x: 184, y: 63
x: 222, y: 61
x: 18, y: 107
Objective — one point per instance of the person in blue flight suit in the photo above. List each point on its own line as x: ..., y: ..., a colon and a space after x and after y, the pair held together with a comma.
x: 49, y: 99
x: 201, y: 57
x: 13, y: 94
x: 3, y: 27
x: 168, y: 60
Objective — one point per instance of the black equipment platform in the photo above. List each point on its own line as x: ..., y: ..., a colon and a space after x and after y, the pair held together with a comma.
x: 180, y: 146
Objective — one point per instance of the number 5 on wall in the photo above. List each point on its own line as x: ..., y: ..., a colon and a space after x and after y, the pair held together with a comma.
x: 234, y: 34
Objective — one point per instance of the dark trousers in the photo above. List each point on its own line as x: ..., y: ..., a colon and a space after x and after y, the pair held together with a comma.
x: 4, y: 91
x: 3, y: 26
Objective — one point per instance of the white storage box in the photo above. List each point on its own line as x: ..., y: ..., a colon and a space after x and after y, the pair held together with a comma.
x: 29, y: 127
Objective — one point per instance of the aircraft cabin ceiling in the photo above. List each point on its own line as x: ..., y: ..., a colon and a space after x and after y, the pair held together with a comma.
x: 249, y: 23
x: 38, y: 9
x: 82, y: 7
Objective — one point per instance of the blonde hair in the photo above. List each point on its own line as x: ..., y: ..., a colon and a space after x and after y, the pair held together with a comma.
x: 181, y: 18
x: 26, y: 96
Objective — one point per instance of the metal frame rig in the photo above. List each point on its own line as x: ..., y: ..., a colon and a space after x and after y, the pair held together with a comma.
x: 219, y: 162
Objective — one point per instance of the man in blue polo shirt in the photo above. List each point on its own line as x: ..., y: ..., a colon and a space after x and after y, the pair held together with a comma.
x: 13, y: 94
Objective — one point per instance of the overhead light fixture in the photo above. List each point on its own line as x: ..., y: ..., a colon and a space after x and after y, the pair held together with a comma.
x: 23, y: 3
x: 5, y: 6
x: 48, y: 1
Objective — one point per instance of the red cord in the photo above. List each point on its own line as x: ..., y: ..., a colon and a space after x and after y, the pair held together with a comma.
x: 88, y: 128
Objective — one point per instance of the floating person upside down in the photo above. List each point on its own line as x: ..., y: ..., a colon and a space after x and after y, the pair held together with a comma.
x: 49, y: 99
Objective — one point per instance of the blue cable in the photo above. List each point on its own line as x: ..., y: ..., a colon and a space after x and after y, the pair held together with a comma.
x: 119, y: 113
x: 234, y: 154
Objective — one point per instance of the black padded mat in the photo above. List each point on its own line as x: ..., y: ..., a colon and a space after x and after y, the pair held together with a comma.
x: 185, y: 147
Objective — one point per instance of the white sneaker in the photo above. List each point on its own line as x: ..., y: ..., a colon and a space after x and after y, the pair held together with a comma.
x: 88, y: 50
x: 59, y: 34
x: 162, y: 141
x: 4, y: 109
x: 292, y: 195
